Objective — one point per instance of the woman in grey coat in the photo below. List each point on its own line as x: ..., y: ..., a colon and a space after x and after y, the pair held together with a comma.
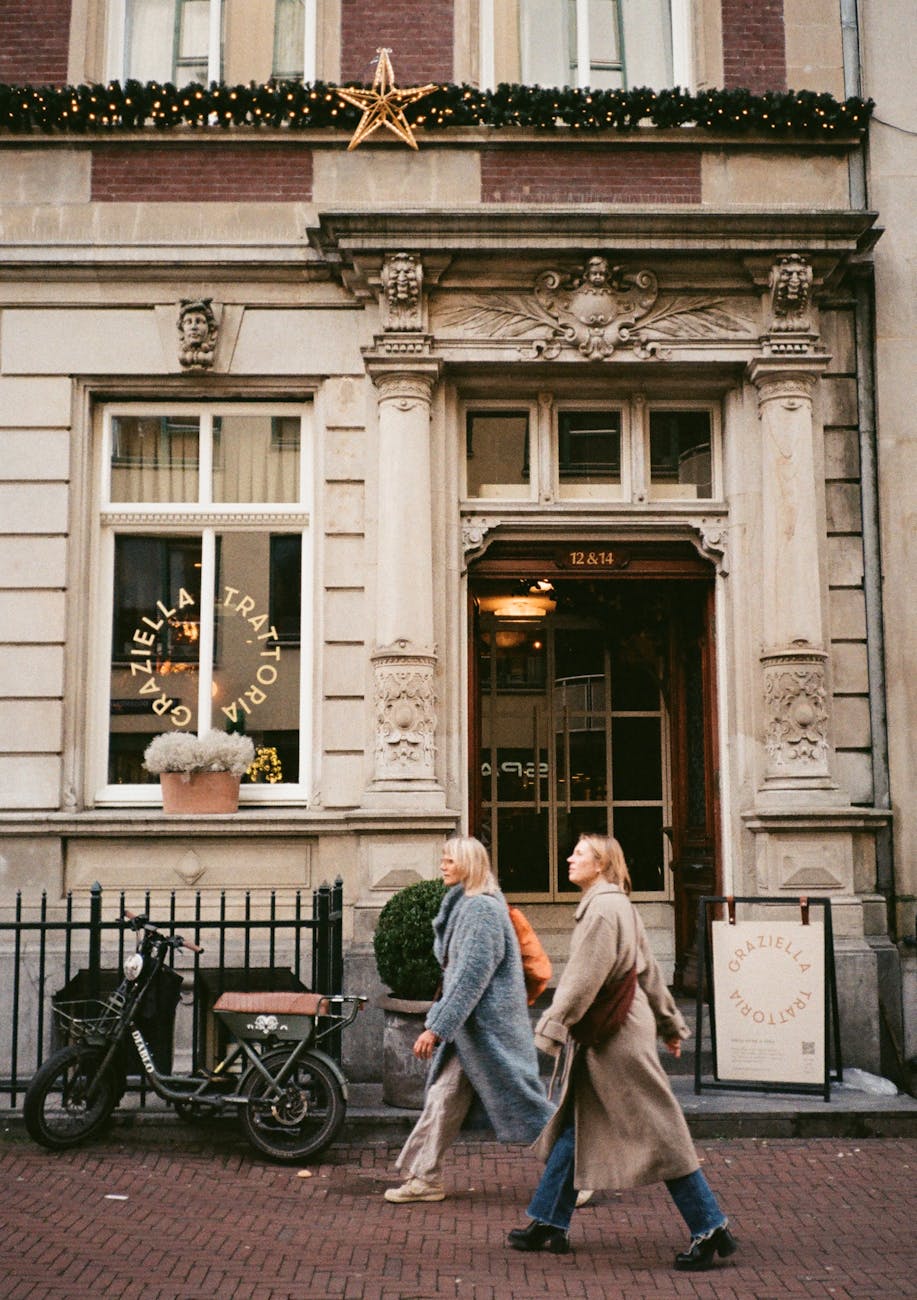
x: 478, y: 1034
x: 618, y: 1123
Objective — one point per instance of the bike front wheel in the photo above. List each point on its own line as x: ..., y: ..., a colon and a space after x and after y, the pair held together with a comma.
x: 300, y: 1118
x: 57, y: 1110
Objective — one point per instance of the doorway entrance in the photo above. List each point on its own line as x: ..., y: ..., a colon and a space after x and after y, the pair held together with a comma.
x: 593, y: 709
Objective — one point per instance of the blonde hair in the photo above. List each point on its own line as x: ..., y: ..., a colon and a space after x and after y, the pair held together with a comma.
x: 610, y: 856
x: 473, y: 861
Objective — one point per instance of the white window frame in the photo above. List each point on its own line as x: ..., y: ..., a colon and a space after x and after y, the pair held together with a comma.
x: 635, y: 488
x: 116, y: 48
x: 682, y: 44
x: 201, y: 519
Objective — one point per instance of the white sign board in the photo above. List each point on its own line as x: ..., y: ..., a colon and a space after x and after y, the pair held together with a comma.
x: 769, y: 1001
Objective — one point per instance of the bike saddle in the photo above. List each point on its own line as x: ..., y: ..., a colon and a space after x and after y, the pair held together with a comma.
x: 274, y: 1004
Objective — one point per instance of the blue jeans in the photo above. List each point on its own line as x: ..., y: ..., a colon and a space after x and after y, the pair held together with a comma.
x: 554, y: 1199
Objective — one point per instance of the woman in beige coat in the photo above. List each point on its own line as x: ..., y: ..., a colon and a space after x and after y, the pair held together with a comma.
x: 618, y: 1123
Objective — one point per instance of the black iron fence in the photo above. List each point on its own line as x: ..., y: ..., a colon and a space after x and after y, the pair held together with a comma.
x: 252, y: 940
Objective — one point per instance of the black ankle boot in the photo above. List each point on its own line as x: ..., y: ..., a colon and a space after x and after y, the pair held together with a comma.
x: 700, y: 1254
x: 540, y: 1236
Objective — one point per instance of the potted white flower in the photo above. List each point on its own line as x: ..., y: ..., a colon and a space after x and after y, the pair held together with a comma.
x: 199, y: 774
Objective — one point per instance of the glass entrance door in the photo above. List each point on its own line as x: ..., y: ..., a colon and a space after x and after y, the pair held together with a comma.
x: 574, y: 737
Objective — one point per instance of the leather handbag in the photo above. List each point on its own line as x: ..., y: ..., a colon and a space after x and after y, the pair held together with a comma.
x: 536, y: 964
x: 609, y: 1010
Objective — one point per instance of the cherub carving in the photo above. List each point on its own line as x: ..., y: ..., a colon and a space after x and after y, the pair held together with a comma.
x: 197, y: 333
x: 597, y: 307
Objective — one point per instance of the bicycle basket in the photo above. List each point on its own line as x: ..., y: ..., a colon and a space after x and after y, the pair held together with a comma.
x: 89, y: 1020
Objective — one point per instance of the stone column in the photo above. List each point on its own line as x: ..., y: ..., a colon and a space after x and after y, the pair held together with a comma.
x: 794, y: 659
x: 404, y: 659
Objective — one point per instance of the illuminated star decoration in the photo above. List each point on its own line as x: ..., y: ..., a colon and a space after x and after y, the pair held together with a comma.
x: 384, y: 104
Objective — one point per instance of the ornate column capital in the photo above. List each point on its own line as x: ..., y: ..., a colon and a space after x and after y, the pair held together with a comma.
x: 405, y: 387
x: 790, y: 382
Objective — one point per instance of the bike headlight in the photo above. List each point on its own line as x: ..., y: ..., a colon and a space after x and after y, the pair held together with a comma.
x: 133, y: 966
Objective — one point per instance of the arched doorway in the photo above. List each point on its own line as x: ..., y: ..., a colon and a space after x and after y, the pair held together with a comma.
x: 593, y: 708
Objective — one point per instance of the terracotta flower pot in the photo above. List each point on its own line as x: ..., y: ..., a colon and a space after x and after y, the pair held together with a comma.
x: 200, y: 792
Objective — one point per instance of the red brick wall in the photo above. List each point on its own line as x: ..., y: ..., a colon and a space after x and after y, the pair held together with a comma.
x: 601, y: 175
x: 34, y: 38
x: 419, y: 34
x: 754, y: 48
x: 215, y: 173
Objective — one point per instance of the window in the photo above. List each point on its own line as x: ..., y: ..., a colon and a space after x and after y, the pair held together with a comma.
x: 632, y: 451
x: 603, y: 44
x: 204, y: 587
x: 211, y: 40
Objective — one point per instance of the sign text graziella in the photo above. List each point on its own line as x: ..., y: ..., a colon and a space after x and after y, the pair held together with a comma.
x: 147, y: 669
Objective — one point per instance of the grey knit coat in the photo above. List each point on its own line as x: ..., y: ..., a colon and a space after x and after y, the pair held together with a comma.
x: 483, y: 1016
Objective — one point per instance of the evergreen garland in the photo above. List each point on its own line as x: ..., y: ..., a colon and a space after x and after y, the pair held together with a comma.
x: 312, y: 106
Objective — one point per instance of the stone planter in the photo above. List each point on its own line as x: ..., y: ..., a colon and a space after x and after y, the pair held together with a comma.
x: 200, y: 792
x: 404, y: 1077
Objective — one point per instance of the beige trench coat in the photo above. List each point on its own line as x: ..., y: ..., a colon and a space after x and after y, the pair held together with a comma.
x: 629, y: 1127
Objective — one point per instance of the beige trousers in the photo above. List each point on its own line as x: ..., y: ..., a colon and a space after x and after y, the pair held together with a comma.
x: 447, y: 1103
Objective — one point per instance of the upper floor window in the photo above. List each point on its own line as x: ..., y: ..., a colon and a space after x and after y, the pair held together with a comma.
x: 602, y: 44
x: 558, y: 450
x: 202, y: 592
x: 211, y: 40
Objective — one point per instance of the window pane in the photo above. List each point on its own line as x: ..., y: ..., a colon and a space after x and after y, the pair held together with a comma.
x: 150, y: 39
x: 639, y: 832
x: 636, y: 758
x: 680, y: 464
x: 589, y: 448
x: 521, y: 851
x: 193, y: 40
x: 155, y: 643
x: 570, y: 826
x: 647, y: 43
x: 256, y: 674
x: 544, y: 42
x: 256, y: 458
x: 154, y: 458
x: 289, y: 37
x: 497, y: 453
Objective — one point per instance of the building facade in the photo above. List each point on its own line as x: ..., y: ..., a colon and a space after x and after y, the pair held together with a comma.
x: 552, y: 475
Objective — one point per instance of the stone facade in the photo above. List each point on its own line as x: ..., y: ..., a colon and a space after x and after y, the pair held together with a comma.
x: 380, y: 288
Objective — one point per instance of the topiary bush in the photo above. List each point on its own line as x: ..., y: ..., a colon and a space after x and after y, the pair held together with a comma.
x: 403, y: 941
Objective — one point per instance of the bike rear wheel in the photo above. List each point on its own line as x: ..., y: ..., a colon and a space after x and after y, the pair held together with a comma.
x: 56, y: 1110
x: 305, y: 1117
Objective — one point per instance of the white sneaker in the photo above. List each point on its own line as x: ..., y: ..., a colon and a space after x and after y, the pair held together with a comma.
x: 584, y: 1197
x: 415, y: 1189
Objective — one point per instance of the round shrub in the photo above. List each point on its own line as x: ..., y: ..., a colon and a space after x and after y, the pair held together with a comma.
x: 403, y: 941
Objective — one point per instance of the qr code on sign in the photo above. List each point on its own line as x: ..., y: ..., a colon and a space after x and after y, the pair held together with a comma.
x: 808, y: 1049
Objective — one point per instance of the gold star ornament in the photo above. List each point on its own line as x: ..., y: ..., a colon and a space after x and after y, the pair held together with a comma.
x: 384, y: 104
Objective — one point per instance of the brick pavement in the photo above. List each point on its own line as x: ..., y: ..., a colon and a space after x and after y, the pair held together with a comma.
x: 142, y: 1218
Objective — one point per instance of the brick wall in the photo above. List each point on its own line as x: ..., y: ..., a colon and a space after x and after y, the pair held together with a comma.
x: 216, y: 173
x: 419, y: 34
x: 34, y: 38
x: 754, y: 47
x: 600, y: 175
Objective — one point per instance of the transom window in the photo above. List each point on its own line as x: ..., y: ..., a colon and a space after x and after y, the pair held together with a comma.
x: 203, y: 590
x: 602, y: 44
x: 631, y: 451
x: 211, y: 40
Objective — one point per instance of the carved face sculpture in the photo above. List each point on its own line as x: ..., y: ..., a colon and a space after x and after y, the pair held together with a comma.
x: 793, y: 279
x: 194, y: 328
x: 596, y: 273
x: 401, y: 281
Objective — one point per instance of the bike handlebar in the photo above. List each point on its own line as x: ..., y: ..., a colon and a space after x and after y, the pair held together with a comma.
x: 139, y: 922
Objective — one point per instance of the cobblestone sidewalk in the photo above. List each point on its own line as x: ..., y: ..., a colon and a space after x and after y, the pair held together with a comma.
x: 132, y: 1218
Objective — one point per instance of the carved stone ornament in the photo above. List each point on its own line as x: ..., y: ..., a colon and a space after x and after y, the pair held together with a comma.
x: 402, y: 282
x: 197, y: 334
x: 598, y: 306
x: 598, y: 309
x: 790, y: 284
x: 474, y: 532
x: 796, y: 727
x: 405, y: 708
